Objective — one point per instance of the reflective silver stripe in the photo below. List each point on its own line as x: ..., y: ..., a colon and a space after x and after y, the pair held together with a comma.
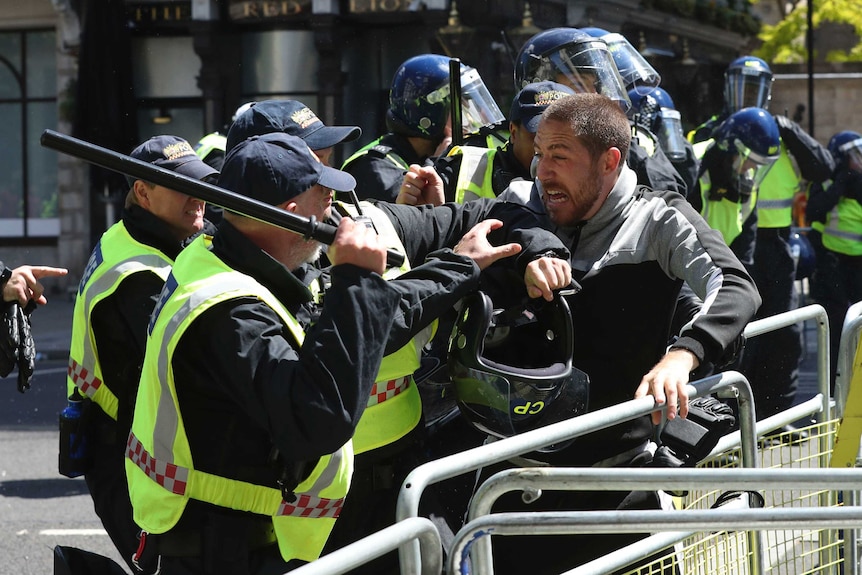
x: 88, y: 362
x: 172, y: 477
x: 383, y: 390
x: 775, y: 204
x: 167, y: 418
x: 842, y: 234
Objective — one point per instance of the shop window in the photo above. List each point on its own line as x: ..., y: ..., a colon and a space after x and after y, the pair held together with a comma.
x: 28, y: 105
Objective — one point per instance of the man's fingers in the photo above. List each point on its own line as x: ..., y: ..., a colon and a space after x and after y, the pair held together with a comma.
x: 45, y: 271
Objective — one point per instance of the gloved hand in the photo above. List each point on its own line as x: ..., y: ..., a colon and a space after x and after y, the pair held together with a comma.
x: 694, y: 437
x: 16, y: 344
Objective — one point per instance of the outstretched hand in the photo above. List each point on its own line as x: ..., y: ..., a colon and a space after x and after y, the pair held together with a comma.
x: 475, y: 245
x: 24, y: 284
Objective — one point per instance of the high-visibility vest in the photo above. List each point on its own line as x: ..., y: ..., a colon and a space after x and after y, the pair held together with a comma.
x: 116, y: 257
x: 475, y: 175
x: 776, y: 192
x: 394, y: 405
x: 209, y: 143
x: 160, y: 466
x: 842, y: 230
x: 724, y: 215
x: 387, y: 151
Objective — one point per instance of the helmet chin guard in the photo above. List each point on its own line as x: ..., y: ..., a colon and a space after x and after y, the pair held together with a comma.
x: 512, y: 369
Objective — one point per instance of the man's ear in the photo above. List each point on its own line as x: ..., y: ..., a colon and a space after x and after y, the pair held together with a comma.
x: 142, y: 193
x: 611, y: 160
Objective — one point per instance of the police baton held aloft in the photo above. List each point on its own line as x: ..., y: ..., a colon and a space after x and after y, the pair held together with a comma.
x: 309, y: 228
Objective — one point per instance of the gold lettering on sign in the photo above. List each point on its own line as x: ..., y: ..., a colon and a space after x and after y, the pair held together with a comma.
x: 362, y: 6
x: 267, y: 9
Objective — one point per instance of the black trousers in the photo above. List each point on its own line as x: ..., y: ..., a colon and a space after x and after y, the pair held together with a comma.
x: 771, y: 361
x: 106, y: 480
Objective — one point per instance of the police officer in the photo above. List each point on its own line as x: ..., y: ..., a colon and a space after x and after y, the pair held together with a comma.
x: 419, y: 124
x: 732, y: 164
x: 771, y: 361
x: 265, y: 426
x: 585, y: 63
x: 470, y: 172
x: 659, y: 124
x: 118, y: 290
x: 835, y: 211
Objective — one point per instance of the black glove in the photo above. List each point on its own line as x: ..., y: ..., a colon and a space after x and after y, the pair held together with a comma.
x: 694, y: 437
x: 16, y: 344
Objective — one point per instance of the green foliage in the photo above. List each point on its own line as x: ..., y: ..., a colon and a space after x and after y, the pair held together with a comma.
x: 784, y: 43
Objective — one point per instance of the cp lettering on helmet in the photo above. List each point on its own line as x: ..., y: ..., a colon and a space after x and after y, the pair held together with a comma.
x: 529, y: 408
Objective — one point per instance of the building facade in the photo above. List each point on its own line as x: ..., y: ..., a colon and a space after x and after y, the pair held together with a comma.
x: 115, y: 72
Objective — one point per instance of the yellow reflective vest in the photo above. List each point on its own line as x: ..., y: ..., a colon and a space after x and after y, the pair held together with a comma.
x: 159, y: 463
x: 723, y: 215
x: 776, y: 192
x: 392, y: 157
x: 475, y: 176
x: 116, y: 257
x: 842, y: 230
x: 394, y: 406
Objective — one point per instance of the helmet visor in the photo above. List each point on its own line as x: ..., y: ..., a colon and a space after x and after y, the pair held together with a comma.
x: 750, y: 167
x: 670, y: 136
x: 636, y: 72
x: 478, y: 108
x: 852, y: 150
x: 747, y: 87
x: 585, y: 67
x: 503, y: 406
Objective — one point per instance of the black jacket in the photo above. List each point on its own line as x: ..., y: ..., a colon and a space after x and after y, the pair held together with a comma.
x: 377, y: 176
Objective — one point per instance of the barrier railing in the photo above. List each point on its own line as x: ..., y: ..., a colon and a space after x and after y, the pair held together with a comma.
x: 351, y: 556
x: 470, y: 460
x: 414, y: 551
x: 482, y: 523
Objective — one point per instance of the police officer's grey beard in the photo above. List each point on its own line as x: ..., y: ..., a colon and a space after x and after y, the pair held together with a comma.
x: 315, y: 255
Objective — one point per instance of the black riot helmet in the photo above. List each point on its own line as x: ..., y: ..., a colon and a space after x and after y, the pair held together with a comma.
x: 512, y: 368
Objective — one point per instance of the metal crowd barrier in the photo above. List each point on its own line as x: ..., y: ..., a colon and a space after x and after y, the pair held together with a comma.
x: 482, y: 523
x: 471, y: 460
x: 351, y: 556
x: 415, y: 548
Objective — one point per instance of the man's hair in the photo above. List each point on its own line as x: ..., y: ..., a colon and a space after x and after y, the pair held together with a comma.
x: 596, y: 120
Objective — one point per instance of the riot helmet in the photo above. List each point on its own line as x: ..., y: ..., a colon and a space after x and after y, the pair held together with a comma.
x: 846, y: 149
x: 747, y: 83
x: 419, y: 99
x: 637, y: 74
x: 656, y: 112
x: 574, y: 58
x: 512, y: 368
x: 751, y: 137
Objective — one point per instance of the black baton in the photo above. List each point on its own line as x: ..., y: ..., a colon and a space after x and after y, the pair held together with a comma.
x: 309, y: 228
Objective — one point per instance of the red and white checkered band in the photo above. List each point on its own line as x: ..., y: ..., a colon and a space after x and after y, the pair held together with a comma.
x: 383, y: 390
x: 83, y: 378
x: 170, y: 476
x: 313, y: 507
